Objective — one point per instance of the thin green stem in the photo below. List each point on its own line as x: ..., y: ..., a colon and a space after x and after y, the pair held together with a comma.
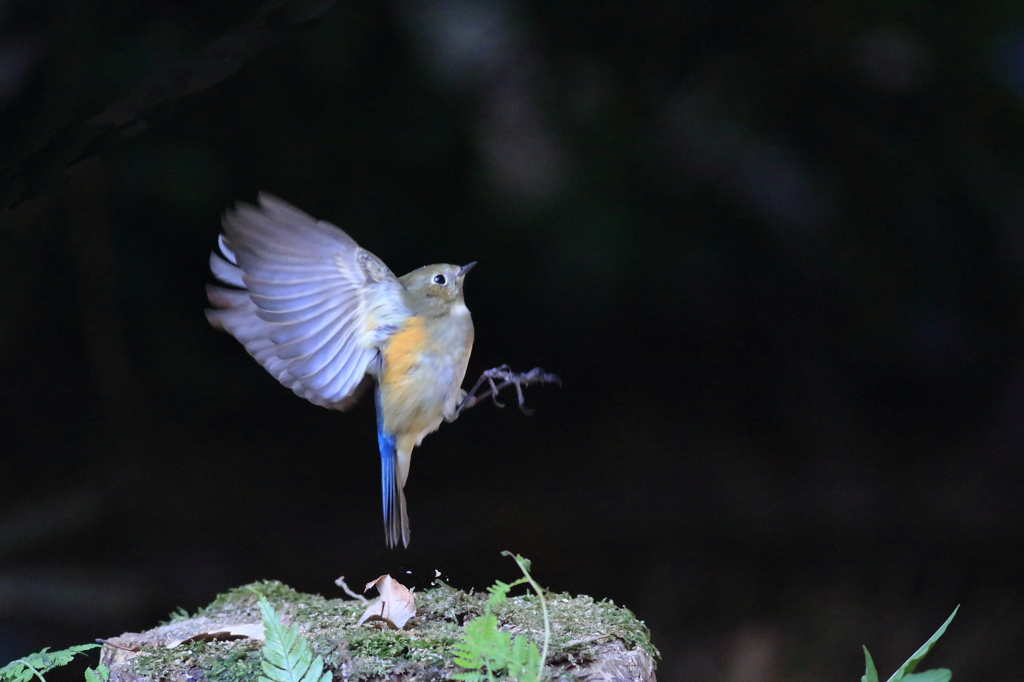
x: 29, y: 666
x: 543, y: 607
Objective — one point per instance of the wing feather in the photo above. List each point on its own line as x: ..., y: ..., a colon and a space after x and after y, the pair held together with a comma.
x: 293, y: 304
x: 334, y: 368
x: 344, y: 378
x: 259, y: 273
x: 321, y: 357
x: 309, y: 304
x: 225, y: 271
x: 297, y: 331
x: 307, y: 345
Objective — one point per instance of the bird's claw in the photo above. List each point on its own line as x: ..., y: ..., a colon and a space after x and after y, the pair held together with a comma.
x: 507, y: 377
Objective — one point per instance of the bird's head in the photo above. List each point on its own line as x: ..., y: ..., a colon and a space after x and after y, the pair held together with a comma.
x: 438, y: 286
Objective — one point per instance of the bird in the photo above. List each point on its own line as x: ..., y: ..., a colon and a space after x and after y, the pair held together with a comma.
x: 328, y: 319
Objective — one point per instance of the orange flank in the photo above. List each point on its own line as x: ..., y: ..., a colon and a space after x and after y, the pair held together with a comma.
x: 402, y: 349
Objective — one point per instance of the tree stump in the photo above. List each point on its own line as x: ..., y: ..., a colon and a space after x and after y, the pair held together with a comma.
x: 223, y: 642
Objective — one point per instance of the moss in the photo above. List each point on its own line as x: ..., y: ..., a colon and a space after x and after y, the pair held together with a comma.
x: 234, y: 661
x: 178, y: 615
x: 444, y: 602
x: 422, y: 652
x: 242, y: 600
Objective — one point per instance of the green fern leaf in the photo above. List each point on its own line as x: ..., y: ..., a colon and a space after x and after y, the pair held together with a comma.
x: 524, y: 660
x: 904, y: 670
x: 482, y: 645
x: 489, y: 653
x: 870, y: 672
x: 475, y: 675
x: 286, y: 656
x: 906, y: 673
x: 933, y: 675
x: 499, y: 593
x: 40, y: 663
x: 100, y: 674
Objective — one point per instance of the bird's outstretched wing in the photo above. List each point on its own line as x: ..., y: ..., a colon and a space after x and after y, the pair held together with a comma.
x: 308, y: 303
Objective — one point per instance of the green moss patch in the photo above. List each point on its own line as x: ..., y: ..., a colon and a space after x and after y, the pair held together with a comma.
x: 422, y: 651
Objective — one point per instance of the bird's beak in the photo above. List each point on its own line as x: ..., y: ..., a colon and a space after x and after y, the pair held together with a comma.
x: 466, y: 268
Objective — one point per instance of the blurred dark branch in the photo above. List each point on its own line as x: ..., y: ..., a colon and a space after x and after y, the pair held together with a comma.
x: 43, y: 169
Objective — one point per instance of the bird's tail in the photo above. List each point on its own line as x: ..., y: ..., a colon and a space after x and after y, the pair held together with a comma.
x: 396, y: 521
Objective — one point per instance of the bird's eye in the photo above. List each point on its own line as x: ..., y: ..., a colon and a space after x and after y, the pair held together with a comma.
x: 439, y: 279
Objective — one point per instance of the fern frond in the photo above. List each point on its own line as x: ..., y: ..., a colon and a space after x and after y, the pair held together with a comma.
x: 286, y: 656
x: 40, y: 663
x: 524, y: 566
x: 524, y: 661
x: 488, y: 652
x: 483, y: 645
x: 470, y: 676
x: 100, y: 674
x: 499, y: 593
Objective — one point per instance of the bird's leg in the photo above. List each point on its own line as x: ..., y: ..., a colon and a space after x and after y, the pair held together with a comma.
x: 490, y: 375
x: 507, y: 377
x: 487, y: 376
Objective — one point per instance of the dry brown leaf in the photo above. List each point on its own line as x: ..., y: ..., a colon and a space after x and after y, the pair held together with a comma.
x: 395, y: 606
x: 224, y: 633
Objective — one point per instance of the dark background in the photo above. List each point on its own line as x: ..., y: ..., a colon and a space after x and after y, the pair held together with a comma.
x: 775, y: 251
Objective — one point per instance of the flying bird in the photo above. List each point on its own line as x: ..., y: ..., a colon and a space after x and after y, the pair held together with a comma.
x: 326, y: 317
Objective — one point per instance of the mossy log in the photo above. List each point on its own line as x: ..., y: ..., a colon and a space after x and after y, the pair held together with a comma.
x: 590, y: 640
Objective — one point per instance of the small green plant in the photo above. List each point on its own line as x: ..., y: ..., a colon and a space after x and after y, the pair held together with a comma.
x: 286, y: 656
x: 906, y: 671
x: 38, y: 664
x: 491, y: 654
x: 100, y: 674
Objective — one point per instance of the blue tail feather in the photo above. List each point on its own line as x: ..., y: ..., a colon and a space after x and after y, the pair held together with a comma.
x: 392, y: 496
